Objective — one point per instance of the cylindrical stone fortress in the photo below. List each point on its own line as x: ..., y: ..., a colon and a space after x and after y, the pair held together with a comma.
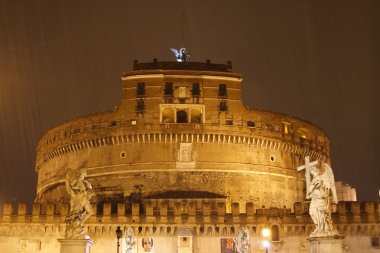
x: 182, y: 131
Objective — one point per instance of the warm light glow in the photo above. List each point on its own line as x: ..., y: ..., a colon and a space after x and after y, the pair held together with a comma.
x: 265, y: 232
x: 140, y: 76
x: 266, y: 244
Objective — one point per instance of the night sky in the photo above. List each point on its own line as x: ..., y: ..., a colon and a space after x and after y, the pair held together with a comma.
x: 316, y: 60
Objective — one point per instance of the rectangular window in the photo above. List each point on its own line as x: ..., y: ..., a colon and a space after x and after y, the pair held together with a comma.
x: 195, y: 91
x: 223, y: 106
x: 168, y: 91
x: 250, y: 123
x: 140, y: 89
x: 222, y: 90
x: 113, y: 123
x: 140, y: 106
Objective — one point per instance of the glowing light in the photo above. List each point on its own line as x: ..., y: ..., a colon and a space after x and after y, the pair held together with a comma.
x: 265, y: 232
x: 266, y: 244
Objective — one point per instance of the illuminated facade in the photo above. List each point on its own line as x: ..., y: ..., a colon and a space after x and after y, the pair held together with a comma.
x: 181, y: 127
x: 184, y: 161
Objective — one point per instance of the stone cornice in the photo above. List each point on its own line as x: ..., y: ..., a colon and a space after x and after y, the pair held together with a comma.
x: 285, y: 144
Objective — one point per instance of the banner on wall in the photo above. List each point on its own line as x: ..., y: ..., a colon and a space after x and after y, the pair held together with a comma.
x: 228, y: 245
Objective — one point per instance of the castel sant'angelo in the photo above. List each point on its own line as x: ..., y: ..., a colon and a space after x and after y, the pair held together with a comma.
x: 183, y: 162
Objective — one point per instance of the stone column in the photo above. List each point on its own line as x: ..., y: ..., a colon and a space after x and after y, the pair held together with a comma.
x: 326, y: 244
x: 75, y: 245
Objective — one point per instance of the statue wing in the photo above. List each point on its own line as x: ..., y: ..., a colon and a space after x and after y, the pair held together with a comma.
x: 175, y: 51
x: 68, y: 180
x: 329, y: 181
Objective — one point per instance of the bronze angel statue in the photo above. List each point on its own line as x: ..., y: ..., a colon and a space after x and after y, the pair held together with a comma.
x: 180, y: 54
x: 318, y: 190
x: 80, y: 207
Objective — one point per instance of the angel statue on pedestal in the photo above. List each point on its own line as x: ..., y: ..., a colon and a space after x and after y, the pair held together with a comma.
x: 318, y: 190
x: 130, y: 241
x: 80, y: 207
x: 243, y: 244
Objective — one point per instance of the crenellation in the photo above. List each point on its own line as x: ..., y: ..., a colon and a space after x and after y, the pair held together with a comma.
x: 179, y: 209
x: 191, y: 211
x: 135, y: 212
x: 121, y: 209
x: 63, y: 209
x: 368, y: 207
x: 369, y: 211
x: 178, y: 212
x: 235, y: 211
x: 354, y: 209
x: 163, y: 212
x: 50, y: 209
x: 150, y: 216
x: 107, y: 209
x: 7, y: 209
x: 206, y: 213
x: 21, y: 210
x: 298, y: 208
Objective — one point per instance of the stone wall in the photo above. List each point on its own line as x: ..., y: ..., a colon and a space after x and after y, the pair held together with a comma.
x: 39, y: 229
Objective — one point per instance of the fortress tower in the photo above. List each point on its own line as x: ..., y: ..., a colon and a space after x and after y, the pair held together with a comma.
x: 181, y: 131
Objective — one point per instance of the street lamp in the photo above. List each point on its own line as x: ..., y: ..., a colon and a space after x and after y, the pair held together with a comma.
x: 265, y: 243
x: 119, y: 234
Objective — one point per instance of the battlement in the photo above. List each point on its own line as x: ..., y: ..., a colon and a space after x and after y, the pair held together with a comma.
x: 190, y: 212
x: 199, y: 66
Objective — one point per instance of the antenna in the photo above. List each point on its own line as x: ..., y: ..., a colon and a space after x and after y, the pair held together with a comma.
x: 183, y: 23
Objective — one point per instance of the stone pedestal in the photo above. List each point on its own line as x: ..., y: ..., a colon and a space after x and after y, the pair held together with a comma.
x: 326, y: 244
x: 75, y: 245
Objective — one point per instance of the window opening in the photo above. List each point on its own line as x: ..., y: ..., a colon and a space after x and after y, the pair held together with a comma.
x: 223, y: 106
x: 222, y: 90
x: 140, y: 106
x: 250, y: 123
x: 182, y: 116
x: 195, y: 91
x: 275, y: 234
x: 168, y: 91
x: 140, y: 89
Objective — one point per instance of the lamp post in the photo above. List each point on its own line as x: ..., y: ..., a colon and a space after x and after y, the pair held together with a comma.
x: 119, y: 234
x: 266, y: 236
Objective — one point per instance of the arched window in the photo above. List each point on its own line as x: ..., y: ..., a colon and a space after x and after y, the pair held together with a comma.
x: 275, y: 234
x: 182, y: 116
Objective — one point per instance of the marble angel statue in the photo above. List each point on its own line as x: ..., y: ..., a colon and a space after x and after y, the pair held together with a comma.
x: 318, y: 190
x: 243, y: 243
x: 80, y: 207
x: 130, y: 241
